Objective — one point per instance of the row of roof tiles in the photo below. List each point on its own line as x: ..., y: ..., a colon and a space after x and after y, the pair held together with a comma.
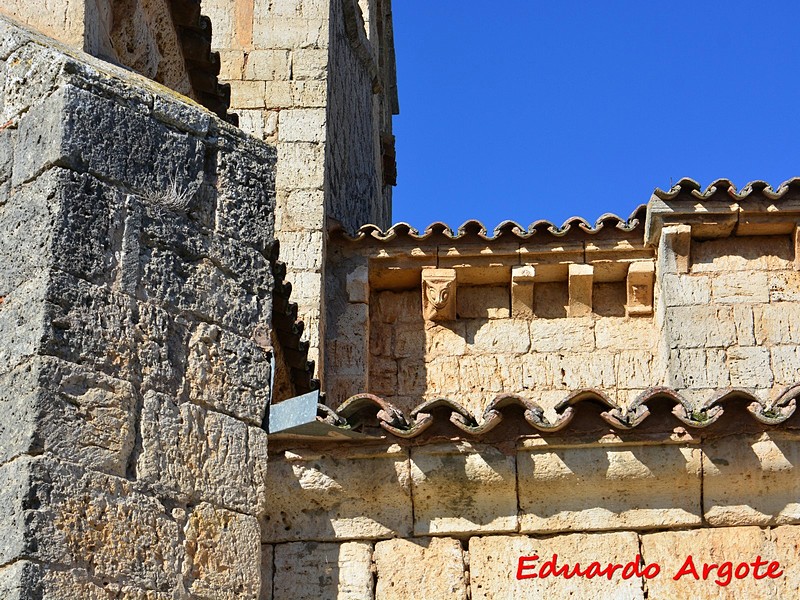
x: 369, y: 410
x: 686, y: 189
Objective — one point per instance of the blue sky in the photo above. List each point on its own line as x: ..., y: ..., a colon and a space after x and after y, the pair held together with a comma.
x: 526, y: 109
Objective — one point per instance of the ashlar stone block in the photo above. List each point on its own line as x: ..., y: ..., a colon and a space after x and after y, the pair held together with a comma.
x: 580, y: 290
x: 613, y: 485
x: 317, y: 571
x: 463, y: 488
x: 495, y: 561
x: 420, y: 568
x: 360, y: 493
x: 752, y: 480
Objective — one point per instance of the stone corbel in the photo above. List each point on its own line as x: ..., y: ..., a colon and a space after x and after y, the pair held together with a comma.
x: 522, y: 291
x: 439, y: 294
x: 797, y: 247
x: 641, y: 276
x: 674, y: 248
x: 581, y: 278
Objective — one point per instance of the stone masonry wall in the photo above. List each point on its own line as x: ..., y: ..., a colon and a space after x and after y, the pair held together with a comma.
x: 302, y: 81
x: 135, y: 291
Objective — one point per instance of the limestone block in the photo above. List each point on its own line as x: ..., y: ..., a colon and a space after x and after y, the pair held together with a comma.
x: 483, y: 302
x: 785, y: 362
x: 580, y: 290
x: 293, y: 8
x: 268, y: 65
x: 698, y: 368
x: 787, y: 544
x: 194, y: 455
x: 252, y: 121
x: 673, y: 249
x: 301, y: 165
x: 411, y: 377
x: 353, y: 493
x: 18, y: 580
x: 409, y: 340
x: 22, y: 322
x: 290, y: 32
x: 312, y: 571
x: 248, y: 94
x: 607, y: 486
x: 554, y: 335
x: 685, y: 290
x: 445, y: 339
x: 479, y: 374
x: 617, y: 333
x: 494, y: 563
x: 393, y: 307
x: 66, y: 409
x: 267, y: 571
x: 231, y: 61
x: 752, y: 480
x: 381, y: 339
x: 758, y: 253
x: 750, y: 367
x: 223, y: 554
x: 358, y: 285
x: 228, y: 373
x: 302, y: 125
x: 784, y: 286
x: 582, y: 370
x: 700, y: 327
x: 522, y: 297
x: 420, y: 568
x: 30, y: 72
x: 777, y: 324
x: 442, y: 376
x: 307, y: 93
x: 671, y: 549
x: 741, y: 286
x: 99, y: 523
x: 302, y: 210
x: 501, y: 336
x: 309, y: 63
x: 745, y: 325
x: 636, y: 370
x: 462, y: 487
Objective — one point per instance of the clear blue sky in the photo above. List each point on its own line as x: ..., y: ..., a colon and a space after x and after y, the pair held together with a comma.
x: 528, y: 109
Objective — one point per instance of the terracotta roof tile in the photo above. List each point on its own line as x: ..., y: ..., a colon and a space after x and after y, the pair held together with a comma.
x: 689, y: 189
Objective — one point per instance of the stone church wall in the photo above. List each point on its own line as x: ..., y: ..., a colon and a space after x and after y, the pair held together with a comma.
x: 135, y: 309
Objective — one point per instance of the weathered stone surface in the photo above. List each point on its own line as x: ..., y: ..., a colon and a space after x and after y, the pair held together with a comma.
x: 750, y: 367
x: 759, y: 253
x: 671, y: 549
x: 494, y: 562
x: 30, y: 73
x: 223, y: 553
x: 752, y: 480
x: 617, y: 333
x: 607, y: 486
x: 311, y: 571
x: 785, y: 362
x: 553, y: 335
x: 228, y: 373
x: 420, y: 568
x: 62, y: 514
x: 463, y: 487
x: 360, y: 493
x: 191, y: 454
x: 685, y: 290
x: 700, y: 327
x: 740, y: 286
x: 500, y: 336
x: 483, y: 302
x: 698, y: 368
x: 81, y: 415
x: 22, y: 322
x: 777, y: 323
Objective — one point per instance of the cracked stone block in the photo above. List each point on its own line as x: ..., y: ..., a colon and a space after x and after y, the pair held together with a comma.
x: 462, y: 487
x: 326, y: 496
x: 420, y: 568
x: 611, y: 485
x: 752, y: 480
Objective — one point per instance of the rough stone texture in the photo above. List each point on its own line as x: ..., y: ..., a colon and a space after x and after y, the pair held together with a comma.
x: 494, y: 562
x: 613, y: 486
x: 401, y: 574
x: 463, y: 488
x: 312, y: 571
x: 752, y: 480
x: 223, y: 559
x: 712, y: 546
x: 325, y: 496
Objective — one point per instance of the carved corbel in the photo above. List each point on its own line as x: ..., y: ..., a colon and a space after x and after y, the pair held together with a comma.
x: 641, y: 275
x: 439, y: 294
x: 522, y: 291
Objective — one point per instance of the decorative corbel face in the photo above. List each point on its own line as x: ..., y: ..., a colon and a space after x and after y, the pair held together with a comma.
x: 439, y: 294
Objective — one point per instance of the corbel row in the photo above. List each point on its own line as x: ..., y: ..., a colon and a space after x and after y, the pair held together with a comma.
x: 439, y: 288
